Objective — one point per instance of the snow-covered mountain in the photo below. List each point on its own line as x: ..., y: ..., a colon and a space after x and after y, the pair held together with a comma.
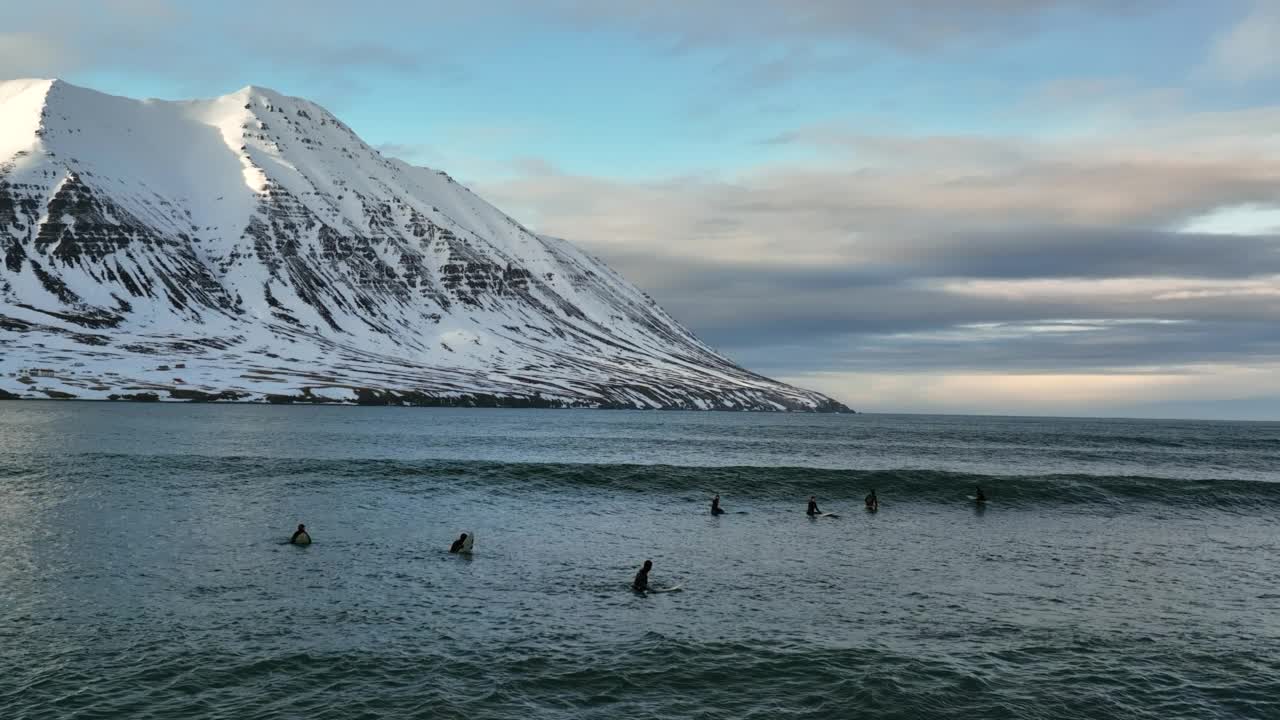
x: 251, y: 247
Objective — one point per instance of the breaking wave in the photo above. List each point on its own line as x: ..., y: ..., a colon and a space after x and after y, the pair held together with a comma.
x: 782, y: 484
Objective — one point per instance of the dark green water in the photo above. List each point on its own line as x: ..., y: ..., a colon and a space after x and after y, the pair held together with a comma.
x: 1124, y: 569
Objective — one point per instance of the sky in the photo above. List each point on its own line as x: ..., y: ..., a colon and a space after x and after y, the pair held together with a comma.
x: 1040, y: 207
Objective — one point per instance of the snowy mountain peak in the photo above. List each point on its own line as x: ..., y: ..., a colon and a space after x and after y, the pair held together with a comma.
x: 257, y: 243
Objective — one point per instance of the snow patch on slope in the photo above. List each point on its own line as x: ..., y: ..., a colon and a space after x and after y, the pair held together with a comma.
x: 21, y: 104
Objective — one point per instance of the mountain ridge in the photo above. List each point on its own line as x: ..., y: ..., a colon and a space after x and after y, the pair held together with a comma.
x: 258, y: 243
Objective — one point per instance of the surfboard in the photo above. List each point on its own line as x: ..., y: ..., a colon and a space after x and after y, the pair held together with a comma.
x: 673, y: 588
x: 466, y: 544
x: 303, y: 539
x: 975, y: 499
x: 830, y: 515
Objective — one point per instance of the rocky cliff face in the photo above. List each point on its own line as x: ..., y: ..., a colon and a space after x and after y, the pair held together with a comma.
x: 252, y: 247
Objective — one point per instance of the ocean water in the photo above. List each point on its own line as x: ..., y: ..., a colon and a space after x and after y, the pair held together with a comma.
x: 1123, y: 569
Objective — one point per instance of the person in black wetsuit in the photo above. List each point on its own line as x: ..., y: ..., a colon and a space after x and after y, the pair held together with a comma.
x: 813, y: 510
x: 980, y: 497
x: 873, y: 502
x: 457, y: 544
x: 715, y: 506
x: 302, y: 530
x: 641, y: 583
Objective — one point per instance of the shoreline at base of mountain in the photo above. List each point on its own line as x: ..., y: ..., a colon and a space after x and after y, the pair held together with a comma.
x: 365, y: 397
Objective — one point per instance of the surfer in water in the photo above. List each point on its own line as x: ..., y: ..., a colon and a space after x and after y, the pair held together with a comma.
x: 299, y: 533
x: 813, y: 510
x: 457, y: 544
x: 641, y: 583
x: 979, y: 497
x: 715, y: 506
x: 873, y: 502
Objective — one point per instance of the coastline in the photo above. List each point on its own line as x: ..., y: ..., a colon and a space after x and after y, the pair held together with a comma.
x: 365, y: 397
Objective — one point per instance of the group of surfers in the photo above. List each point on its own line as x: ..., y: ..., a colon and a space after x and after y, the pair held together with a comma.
x: 641, y: 582
x: 871, y: 502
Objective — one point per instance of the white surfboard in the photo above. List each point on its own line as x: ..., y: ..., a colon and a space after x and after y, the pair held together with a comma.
x: 975, y: 499
x: 302, y: 539
x: 830, y: 515
x: 466, y: 544
x: 673, y: 588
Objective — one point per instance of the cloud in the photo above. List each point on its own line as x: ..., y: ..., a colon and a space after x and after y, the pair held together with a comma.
x: 68, y: 37
x: 416, y: 153
x: 1250, y: 49
x: 1071, y: 252
x: 189, y: 47
x: 871, y: 197
x: 767, y: 44
x: 963, y: 257
x: 58, y: 36
x: 915, y: 24
x: 29, y: 54
x: 917, y: 319
x: 1225, y: 392
x: 761, y: 44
